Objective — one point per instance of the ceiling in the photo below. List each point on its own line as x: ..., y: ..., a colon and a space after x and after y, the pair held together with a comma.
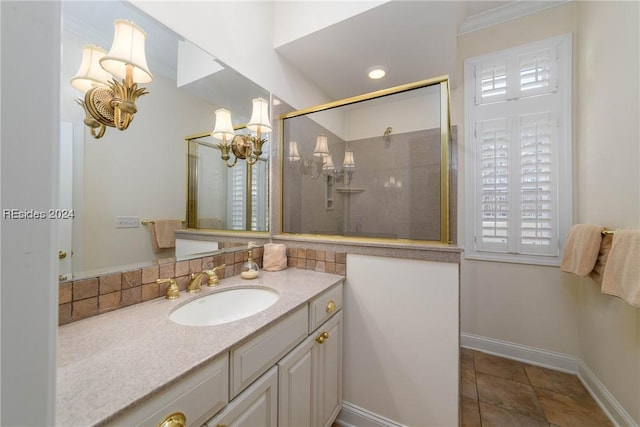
x: 413, y: 40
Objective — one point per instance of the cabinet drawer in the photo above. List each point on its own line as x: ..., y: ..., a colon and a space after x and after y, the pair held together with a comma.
x: 324, y: 306
x: 254, y: 357
x: 256, y: 406
x: 198, y: 396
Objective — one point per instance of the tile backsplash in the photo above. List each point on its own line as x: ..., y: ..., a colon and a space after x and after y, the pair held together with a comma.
x: 88, y: 297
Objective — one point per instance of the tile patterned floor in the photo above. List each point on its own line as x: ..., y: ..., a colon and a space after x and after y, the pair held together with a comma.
x: 498, y: 392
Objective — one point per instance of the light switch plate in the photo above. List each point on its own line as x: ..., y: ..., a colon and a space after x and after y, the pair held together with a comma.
x: 127, y: 222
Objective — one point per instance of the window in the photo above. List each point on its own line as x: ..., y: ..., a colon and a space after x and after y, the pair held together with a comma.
x: 518, y: 133
x: 237, y: 197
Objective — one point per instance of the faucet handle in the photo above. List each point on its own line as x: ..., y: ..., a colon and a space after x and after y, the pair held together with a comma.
x: 213, y: 275
x: 173, y: 291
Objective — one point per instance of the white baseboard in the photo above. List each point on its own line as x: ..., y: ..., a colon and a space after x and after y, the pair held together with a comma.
x: 534, y: 356
x: 355, y: 416
x: 558, y: 361
x: 605, y: 399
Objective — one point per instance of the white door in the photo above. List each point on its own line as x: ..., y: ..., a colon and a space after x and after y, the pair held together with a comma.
x: 330, y: 370
x: 297, y: 394
x: 256, y: 406
x: 63, y: 214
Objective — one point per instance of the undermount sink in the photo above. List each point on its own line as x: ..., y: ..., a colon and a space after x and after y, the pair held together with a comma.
x: 224, y: 306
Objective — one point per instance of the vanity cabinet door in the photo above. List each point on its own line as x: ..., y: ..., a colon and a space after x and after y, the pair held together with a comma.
x: 297, y: 374
x: 255, y: 406
x: 310, y: 378
x: 329, y: 401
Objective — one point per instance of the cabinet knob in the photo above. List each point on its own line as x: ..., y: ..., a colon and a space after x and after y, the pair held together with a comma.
x: 177, y: 419
x: 331, y: 306
x: 322, y: 337
x: 62, y: 254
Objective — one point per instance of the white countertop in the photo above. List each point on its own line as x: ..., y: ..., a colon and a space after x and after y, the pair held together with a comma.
x: 114, y: 361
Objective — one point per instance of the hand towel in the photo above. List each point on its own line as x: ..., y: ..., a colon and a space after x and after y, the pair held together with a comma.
x: 601, y: 262
x: 274, y: 257
x: 622, y: 273
x: 581, y: 249
x: 163, y: 233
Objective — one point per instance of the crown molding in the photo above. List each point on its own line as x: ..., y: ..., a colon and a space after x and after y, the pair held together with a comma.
x: 508, y: 12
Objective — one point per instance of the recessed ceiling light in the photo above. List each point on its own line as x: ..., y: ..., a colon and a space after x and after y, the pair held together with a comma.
x: 376, y: 72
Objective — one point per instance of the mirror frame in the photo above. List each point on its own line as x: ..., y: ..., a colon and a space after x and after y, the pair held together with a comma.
x: 445, y: 146
x: 192, y: 195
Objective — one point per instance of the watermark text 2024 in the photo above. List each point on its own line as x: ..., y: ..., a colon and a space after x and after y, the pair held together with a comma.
x: 37, y: 214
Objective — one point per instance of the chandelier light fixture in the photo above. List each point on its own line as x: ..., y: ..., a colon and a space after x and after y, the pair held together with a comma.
x: 323, y: 162
x: 107, y: 101
x: 245, y: 147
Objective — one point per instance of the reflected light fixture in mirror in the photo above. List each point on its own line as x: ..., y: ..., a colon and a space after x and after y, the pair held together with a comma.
x: 246, y: 147
x: 323, y: 161
x: 108, y: 102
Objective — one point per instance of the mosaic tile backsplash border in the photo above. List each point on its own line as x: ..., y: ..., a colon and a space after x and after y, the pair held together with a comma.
x: 89, y: 297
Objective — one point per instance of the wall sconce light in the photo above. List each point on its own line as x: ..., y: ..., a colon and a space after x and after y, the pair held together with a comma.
x: 108, y: 102
x: 323, y: 162
x: 246, y: 147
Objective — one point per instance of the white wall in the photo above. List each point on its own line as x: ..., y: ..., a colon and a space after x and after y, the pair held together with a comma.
x: 524, y: 304
x: 29, y: 152
x: 240, y: 34
x: 539, y: 306
x: 609, y: 182
x: 401, y: 339
x: 293, y: 20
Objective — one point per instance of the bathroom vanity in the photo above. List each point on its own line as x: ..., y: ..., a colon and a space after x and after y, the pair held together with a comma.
x: 281, y: 366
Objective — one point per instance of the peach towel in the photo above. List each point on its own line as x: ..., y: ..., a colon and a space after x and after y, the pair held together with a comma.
x: 603, y: 255
x: 581, y: 249
x: 622, y: 273
x: 163, y: 233
x: 274, y: 257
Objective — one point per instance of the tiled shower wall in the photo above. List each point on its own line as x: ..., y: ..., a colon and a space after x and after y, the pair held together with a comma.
x: 88, y: 297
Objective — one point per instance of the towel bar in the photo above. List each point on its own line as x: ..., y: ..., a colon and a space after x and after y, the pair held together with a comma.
x: 147, y: 222
x: 604, y: 232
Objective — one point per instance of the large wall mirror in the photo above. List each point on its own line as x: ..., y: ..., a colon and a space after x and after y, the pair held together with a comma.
x: 141, y: 172
x: 373, y: 167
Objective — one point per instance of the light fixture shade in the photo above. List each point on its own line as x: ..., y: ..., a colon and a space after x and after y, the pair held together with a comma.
x: 223, y: 126
x: 349, y: 162
x: 328, y: 163
x: 322, y: 149
x: 259, y: 121
x: 91, y: 74
x: 294, y: 154
x: 127, y: 49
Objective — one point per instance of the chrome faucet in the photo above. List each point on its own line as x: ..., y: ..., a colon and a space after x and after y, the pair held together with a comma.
x: 195, y: 282
x: 213, y: 275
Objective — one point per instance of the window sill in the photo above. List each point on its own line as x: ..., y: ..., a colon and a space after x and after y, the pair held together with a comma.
x: 514, y: 259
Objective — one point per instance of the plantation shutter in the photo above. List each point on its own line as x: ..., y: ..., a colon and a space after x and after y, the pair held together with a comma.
x: 538, y: 184
x: 493, y: 137
x: 538, y: 72
x: 236, y: 193
x: 491, y: 82
x: 518, y: 133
